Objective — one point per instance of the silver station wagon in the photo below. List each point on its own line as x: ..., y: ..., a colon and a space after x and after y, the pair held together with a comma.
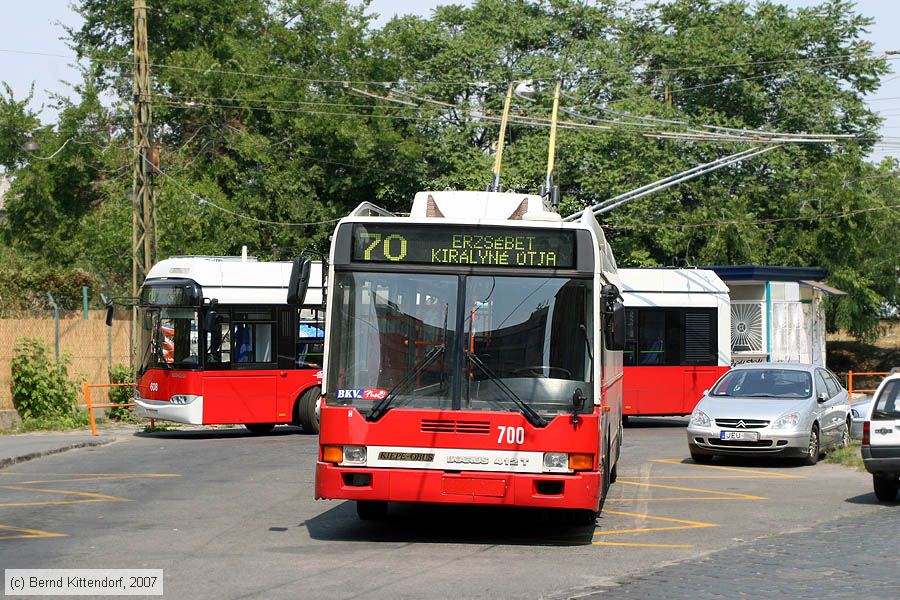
x: 781, y: 409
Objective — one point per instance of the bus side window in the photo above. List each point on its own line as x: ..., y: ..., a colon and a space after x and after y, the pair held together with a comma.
x: 252, y: 341
x: 629, y: 356
x: 218, y: 341
x: 310, y: 339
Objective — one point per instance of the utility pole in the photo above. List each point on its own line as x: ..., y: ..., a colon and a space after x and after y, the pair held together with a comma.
x: 143, y: 207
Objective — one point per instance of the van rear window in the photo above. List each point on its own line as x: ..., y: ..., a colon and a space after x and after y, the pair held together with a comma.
x: 888, y: 404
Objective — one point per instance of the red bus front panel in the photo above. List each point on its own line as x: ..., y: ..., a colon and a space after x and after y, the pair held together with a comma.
x: 675, y: 390
x: 486, y: 470
x: 251, y: 396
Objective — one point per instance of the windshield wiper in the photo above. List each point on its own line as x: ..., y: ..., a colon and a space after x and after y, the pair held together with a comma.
x: 383, y: 405
x: 528, y: 412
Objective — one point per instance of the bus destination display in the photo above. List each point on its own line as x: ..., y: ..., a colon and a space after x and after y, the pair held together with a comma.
x: 470, y: 246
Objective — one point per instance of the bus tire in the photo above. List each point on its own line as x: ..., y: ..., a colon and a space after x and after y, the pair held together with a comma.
x: 371, y: 510
x: 259, y: 428
x: 306, y: 410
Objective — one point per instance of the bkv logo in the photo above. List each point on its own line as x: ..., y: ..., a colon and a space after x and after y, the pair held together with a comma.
x: 363, y: 394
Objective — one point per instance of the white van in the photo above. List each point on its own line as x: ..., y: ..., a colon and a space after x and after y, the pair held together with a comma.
x: 881, y: 439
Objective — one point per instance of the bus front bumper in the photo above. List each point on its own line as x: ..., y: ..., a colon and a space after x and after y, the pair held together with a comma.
x: 162, y: 410
x: 579, y: 490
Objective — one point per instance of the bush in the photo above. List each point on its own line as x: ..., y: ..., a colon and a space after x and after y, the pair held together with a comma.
x: 121, y: 395
x: 41, y: 389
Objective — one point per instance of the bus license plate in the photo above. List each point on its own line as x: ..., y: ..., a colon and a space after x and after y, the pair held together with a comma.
x: 743, y: 436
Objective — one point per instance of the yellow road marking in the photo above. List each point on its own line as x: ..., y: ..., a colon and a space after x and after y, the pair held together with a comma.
x: 719, y: 477
x: 26, y: 533
x: 85, y: 496
x: 772, y: 474
x: 681, y: 499
x: 100, y: 478
x: 683, y: 524
x: 638, y: 545
x: 729, y: 495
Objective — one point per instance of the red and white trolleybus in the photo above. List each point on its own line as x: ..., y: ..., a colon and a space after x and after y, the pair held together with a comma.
x: 469, y: 357
x: 677, y: 338
x: 219, y: 341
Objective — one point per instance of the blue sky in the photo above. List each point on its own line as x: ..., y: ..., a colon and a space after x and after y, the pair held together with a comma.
x: 36, y: 26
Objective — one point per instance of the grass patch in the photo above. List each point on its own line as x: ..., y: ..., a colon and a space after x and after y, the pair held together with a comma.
x: 850, y: 456
x: 160, y: 426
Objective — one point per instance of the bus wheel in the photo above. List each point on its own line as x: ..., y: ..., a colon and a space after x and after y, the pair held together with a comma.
x: 305, y: 409
x: 259, y: 428
x: 371, y: 510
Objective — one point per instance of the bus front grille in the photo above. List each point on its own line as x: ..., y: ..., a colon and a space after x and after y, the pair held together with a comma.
x: 448, y: 426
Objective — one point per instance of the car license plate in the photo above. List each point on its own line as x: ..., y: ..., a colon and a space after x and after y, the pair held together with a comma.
x: 743, y: 436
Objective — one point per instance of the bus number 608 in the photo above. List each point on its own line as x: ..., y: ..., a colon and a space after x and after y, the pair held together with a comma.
x: 512, y: 435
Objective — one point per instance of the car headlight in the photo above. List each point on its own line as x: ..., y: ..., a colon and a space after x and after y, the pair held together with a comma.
x: 355, y: 455
x: 788, y: 421
x: 556, y: 461
x: 699, y: 418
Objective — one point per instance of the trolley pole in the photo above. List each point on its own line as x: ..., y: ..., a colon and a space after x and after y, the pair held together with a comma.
x: 143, y: 207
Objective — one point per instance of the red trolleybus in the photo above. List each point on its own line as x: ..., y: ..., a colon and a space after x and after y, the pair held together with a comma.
x: 466, y: 357
x: 219, y: 342
x: 677, y: 338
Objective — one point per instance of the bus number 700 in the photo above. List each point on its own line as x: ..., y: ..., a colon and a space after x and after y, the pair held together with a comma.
x: 513, y: 435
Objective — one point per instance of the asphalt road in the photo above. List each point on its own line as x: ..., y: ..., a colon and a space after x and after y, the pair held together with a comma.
x: 228, y: 515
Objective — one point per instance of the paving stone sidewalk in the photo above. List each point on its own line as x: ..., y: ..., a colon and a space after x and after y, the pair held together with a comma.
x: 849, y: 558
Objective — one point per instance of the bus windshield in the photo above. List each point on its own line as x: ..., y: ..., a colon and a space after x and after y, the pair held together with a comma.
x: 168, y: 338
x: 408, y: 334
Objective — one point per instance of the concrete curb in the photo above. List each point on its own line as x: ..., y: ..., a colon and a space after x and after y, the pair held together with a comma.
x: 9, y: 461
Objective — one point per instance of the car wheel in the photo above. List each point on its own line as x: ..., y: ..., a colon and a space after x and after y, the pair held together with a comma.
x: 845, y: 436
x: 259, y: 428
x: 701, y: 458
x: 371, y: 510
x: 885, y: 488
x: 813, y: 449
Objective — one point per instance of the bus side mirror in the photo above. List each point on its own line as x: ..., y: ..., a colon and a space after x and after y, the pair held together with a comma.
x: 615, y: 317
x: 110, y: 309
x: 299, y: 281
x: 615, y: 327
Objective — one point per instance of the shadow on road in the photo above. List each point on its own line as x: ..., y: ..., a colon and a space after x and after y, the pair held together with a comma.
x: 652, y: 422
x: 750, y: 462
x: 868, y: 499
x: 429, y: 523
x: 210, y: 434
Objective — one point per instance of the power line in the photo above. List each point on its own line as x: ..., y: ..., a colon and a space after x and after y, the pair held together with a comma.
x: 752, y: 221
x: 203, y: 201
x: 481, y: 83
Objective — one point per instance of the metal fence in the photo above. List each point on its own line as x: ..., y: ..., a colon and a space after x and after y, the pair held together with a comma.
x: 83, y: 335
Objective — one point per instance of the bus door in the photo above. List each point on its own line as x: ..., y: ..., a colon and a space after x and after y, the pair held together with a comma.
x: 242, y: 368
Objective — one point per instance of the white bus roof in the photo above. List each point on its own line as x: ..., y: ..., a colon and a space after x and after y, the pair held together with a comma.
x: 672, y: 287
x: 235, y: 280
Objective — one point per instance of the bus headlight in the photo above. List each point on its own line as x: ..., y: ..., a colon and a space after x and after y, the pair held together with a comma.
x: 183, y: 398
x: 355, y: 455
x: 556, y: 461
